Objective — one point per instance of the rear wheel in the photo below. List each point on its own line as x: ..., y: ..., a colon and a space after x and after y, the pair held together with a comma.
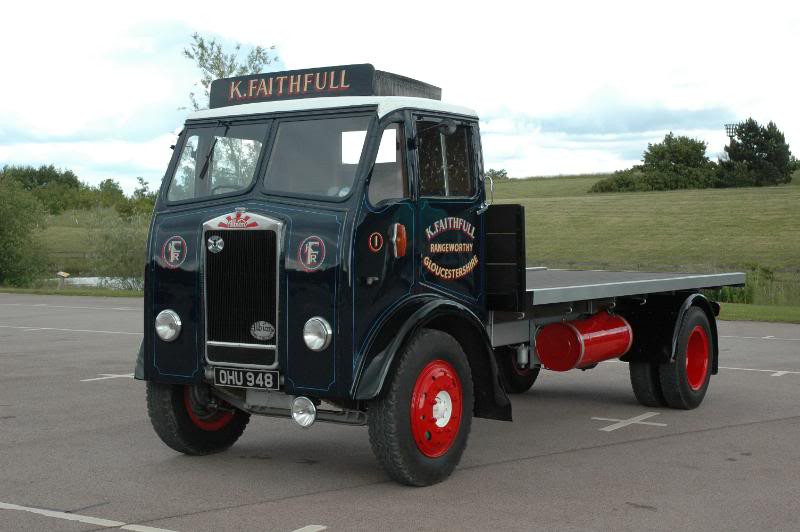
x: 646, y: 384
x: 191, y: 421
x: 684, y: 382
x: 515, y: 378
x: 419, y: 427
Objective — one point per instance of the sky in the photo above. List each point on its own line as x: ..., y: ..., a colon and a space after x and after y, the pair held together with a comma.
x: 561, y: 87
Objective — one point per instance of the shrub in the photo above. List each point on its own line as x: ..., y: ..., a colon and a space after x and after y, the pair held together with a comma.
x: 118, y: 248
x: 675, y: 163
x: 22, y: 260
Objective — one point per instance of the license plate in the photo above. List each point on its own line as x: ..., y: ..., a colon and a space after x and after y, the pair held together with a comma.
x: 246, y: 378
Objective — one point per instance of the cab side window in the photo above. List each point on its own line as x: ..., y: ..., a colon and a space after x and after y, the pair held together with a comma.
x: 445, y: 161
x: 389, y: 178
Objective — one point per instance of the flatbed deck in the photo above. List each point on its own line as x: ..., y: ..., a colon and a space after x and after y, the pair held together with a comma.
x: 545, y: 286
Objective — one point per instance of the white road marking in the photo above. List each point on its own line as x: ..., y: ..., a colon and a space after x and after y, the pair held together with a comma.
x: 38, y: 305
x: 28, y: 328
x: 775, y: 372
x: 106, y: 376
x: 762, y: 338
x: 311, y: 528
x: 636, y: 420
x: 142, y: 528
x: 81, y: 518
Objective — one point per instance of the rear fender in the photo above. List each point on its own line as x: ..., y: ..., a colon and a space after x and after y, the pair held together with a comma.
x: 711, y: 309
x: 653, y: 338
x: 448, y: 316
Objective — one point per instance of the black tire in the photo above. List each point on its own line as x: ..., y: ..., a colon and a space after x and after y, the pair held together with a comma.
x: 646, y: 384
x: 204, y: 431
x: 515, y: 379
x: 685, y: 387
x: 390, y: 415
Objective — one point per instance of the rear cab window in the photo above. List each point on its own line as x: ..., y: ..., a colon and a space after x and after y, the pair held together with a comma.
x: 446, y: 162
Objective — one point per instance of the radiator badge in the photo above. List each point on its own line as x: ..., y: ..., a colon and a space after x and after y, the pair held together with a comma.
x: 451, y: 266
x: 237, y: 221
x: 174, y: 252
x: 311, y: 253
x: 215, y: 243
x: 262, y: 330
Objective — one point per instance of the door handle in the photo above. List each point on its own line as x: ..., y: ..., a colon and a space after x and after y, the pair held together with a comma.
x: 399, y: 239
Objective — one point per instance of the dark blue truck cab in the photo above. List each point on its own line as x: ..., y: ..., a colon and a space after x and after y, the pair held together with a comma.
x: 323, y: 249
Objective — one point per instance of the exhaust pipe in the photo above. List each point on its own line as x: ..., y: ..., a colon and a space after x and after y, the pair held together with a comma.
x: 583, y: 343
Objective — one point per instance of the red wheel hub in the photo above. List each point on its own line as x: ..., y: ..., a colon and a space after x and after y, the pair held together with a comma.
x: 436, y: 408
x: 697, y: 358
x: 209, y: 419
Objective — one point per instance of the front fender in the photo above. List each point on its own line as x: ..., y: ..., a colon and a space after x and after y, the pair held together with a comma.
x: 448, y: 316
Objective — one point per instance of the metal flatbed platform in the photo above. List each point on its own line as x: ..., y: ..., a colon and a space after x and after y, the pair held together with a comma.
x: 546, y: 286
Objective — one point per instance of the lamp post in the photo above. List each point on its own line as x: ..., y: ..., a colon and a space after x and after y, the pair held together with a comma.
x: 730, y: 130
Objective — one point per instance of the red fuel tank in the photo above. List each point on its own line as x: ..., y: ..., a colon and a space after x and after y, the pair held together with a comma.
x: 582, y: 343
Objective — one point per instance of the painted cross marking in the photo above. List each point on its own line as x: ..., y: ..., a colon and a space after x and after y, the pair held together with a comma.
x: 636, y: 420
x: 104, y: 376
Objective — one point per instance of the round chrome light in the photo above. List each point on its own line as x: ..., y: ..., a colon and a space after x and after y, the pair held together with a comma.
x: 168, y: 325
x: 304, y: 412
x: 317, y: 333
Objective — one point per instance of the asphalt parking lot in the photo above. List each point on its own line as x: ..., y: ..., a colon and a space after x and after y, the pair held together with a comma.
x: 77, y: 451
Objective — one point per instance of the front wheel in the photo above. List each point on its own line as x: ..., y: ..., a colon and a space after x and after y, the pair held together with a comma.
x: 419, y: 426
x: 191, y: 421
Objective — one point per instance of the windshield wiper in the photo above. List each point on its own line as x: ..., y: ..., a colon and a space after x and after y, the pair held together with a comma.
x: 204, y: 169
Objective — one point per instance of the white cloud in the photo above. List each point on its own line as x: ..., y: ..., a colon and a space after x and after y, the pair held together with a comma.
x: 111, y: 71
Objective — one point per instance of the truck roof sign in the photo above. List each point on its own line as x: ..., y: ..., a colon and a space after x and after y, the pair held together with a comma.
x: 343, y: 80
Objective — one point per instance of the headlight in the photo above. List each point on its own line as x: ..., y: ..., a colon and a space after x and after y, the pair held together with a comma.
x: 168, y: 325
x: 317, y: 334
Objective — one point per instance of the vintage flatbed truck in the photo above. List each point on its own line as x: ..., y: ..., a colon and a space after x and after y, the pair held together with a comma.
x: 323, y: 248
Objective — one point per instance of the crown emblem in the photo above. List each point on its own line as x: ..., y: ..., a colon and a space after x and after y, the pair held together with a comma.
x: 237, y: 221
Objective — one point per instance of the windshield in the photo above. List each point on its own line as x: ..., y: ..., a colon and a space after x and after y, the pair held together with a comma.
x: 316, y: 157
x: 217, y: 160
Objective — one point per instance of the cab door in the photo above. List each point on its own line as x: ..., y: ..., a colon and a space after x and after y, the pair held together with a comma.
x: 448, y: 224
x: 383, y: 268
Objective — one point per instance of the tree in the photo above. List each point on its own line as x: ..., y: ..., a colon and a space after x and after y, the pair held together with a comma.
x: 56, y: 189
x: 675, y: 155
x: 32, y: 178
x: 214, y: 62
x: 22, y: 259
x: 756, y: 156
x: 140, y: 204
x: 109, y: 193
x: 497, y: 175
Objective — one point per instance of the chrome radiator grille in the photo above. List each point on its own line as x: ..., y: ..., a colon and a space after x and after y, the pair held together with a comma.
x: 241, y: 296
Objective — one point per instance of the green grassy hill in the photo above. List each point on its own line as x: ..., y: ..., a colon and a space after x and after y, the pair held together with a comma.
x: 703, y: 230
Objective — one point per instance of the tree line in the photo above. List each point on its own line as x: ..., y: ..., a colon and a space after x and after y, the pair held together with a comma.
x: 30, y: 196
x: 756, y: 156
x: 60, y: 190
